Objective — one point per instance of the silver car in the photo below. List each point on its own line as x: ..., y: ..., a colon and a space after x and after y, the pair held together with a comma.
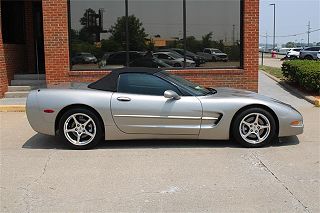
x: 146, y: 103
x: 174, y: 59
x: 310, y: 53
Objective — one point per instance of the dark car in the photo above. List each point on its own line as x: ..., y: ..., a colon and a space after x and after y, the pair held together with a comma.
x: 310, y: 53
x: 196, y: 58
x: 119, y: 58
x: 149, y: 62
x: 83, y: 58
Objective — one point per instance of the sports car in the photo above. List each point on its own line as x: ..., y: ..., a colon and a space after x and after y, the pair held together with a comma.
x: 150, y: 103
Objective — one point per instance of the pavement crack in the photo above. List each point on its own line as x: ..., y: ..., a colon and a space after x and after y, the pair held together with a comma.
x: 27, y: 196
x: 281, y: 182
x: 44, y: 169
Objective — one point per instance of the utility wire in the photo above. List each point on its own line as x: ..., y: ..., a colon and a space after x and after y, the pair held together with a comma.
x: 292, y: 35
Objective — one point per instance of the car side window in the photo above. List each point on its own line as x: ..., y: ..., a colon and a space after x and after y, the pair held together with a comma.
x: 144, y: 84
x: 163, y: 56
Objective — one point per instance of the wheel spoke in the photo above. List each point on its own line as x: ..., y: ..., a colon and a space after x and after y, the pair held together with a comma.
x: 264, y: 127
x: 71, y: 130
x: 258, y: 136
x: 78, y: 138
x: 88, y: 133
x: 86, y: 123
x: 257, y: 119
x: 246, y: 135
x: 75, y: 119
x: 246, y: 123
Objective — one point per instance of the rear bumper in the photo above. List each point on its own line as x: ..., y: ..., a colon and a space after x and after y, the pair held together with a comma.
x: 35, y: 117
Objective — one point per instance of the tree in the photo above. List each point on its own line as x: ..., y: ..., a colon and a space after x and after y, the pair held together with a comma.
x: 193, y: 45
x: 137, y: 35
x: 207, y: 40
x: 290, y: 44
x: 90, y: 32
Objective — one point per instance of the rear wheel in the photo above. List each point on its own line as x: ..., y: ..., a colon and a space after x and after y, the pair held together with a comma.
x: 308, y: 57
x: 254, y: 127
x: 80, y: 128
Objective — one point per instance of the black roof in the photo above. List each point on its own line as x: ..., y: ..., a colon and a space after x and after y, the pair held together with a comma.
x: 109, y: 82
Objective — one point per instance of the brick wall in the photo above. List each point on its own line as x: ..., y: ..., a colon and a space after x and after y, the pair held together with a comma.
x: 3, y: 73
x: 57, y: 56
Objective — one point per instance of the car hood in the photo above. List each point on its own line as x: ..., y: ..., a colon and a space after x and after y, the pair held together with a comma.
x: 220, y: 54
x: 225, y: 92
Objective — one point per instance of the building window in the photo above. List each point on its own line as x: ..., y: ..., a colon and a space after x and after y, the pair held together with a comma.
x: 13, y: 25
x: 99, y: 32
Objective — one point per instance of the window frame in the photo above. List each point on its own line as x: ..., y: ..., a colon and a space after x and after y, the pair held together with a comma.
x: 178, y: 90
x: 241, y: 58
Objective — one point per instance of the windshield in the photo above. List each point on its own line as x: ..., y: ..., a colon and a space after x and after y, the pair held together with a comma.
x: 194, y: 89
x: 87, y: 54
x: 160, y: 63
x: 217, y: 51
x: 174, y: 55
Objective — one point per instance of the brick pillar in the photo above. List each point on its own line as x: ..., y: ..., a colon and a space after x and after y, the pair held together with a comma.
x: 56, y: 43
x: 3, y: 72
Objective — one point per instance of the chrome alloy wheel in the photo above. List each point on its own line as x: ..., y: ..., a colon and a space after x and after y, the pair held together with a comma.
x: 254, y: 128
x: 79, y: 129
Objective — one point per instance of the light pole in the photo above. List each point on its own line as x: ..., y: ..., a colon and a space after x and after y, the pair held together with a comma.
x: 274, y: 25
x: 301, y: 42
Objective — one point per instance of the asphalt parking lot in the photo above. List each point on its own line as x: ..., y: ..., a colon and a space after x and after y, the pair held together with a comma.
x: 39, y: 174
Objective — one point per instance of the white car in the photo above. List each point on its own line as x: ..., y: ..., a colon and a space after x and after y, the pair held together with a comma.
x: 294, y: 53
x: 174, y: 59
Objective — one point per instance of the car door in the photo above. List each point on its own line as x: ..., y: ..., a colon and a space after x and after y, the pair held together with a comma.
x: 139, y: 107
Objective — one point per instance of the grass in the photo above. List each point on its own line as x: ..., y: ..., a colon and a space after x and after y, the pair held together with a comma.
x: 273, y: 71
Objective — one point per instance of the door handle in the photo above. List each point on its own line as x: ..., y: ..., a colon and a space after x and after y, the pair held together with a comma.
x: 123, y: 99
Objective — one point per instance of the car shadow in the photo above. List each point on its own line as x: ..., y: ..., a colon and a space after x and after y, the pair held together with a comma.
x: 40, y: 141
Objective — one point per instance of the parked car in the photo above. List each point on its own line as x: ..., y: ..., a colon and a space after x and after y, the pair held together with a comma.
x: 196, y: 58
x: 149, y: 62
x: 173, y: 59
x: 148, y: 103
x: 104, y: 59
x: 83, y: 58
x: 212, y: 54
x: 293, y: 53
x: 310, y: 53
x: 120, y: 58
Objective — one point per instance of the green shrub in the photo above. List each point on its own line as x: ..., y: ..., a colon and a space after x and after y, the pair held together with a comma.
x: 305, y: 73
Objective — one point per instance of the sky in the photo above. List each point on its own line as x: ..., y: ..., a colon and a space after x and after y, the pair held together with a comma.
x: 292, y: 17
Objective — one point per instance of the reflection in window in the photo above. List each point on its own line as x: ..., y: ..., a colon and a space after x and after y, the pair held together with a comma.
x: 98, y: 34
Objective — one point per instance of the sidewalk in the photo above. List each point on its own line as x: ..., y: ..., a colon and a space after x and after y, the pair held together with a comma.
x: 271, y: 88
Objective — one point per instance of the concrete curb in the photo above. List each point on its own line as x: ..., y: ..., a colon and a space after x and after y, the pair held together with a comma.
x: 12, y: 108
x: 303, y: 95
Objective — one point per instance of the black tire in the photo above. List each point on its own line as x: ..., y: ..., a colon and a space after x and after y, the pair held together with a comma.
x: 308, y: 57
x: 94, y: 124
x: 251, y: 140
x: 214, y: 59
x: 177, y: 65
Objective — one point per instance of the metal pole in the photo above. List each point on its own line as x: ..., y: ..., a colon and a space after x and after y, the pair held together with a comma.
x: 233, y: 34
x: 309, y: 34
x: 184, y: 33
x: 274, y: 25
x: 266, y: 48
x: 127, y: 33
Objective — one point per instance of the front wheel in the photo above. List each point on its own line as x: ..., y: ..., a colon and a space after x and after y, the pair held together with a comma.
x: 254, y: 127
x: 80, y: 128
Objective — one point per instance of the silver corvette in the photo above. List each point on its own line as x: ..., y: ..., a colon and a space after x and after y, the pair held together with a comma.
x: 144, y: 103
